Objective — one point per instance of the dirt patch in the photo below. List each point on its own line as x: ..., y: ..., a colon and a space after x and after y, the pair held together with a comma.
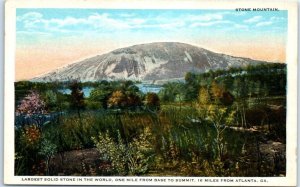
x: 76, y: 162
x: 271, y: 148
x: 274, y: 154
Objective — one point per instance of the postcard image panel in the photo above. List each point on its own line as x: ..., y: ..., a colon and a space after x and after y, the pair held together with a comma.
x: 151, y: 93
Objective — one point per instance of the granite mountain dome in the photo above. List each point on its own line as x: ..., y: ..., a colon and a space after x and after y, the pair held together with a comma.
x: 146, y: 62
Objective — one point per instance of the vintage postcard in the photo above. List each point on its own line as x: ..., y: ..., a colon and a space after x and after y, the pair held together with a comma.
x: 136, y: 92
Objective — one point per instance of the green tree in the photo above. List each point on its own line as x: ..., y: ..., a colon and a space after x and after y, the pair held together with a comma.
x: 203, y: 97
x: 121, y: 99
x: 220, y: 95
x: 203, y: 101
x: 77, y: 99
x: 117, y: 99
x: 47, y: 149
x: 99, y: 97
x: 189, y: 78
x: 133, y: 101
x: 216, y: 91
x: 50, y: 99
x: 152, y: 101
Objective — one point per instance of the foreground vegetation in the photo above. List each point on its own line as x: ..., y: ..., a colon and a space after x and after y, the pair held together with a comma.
x: 214, y: 124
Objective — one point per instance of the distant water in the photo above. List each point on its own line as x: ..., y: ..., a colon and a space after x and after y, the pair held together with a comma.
x: 145, y: 88
x: 86, y: 91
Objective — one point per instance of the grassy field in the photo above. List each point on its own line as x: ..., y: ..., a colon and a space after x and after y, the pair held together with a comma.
x: 173, y: 141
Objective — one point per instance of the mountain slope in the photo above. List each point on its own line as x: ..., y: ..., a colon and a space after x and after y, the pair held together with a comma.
x: 147, y: 62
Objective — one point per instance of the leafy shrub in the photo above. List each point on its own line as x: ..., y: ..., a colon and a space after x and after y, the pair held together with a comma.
x: 31, y: 136
x: 121, y: 99
x: 31, y: 104
x: 27, y: 145
x: 93, y: 105
x: 50, y: 99
x: 31, y: 110
x: 47, y: 149
x: 99, y: 97
x: 152, y: 101
x: 126, y: 159
x: 139, y: 154
x: 112, y: 151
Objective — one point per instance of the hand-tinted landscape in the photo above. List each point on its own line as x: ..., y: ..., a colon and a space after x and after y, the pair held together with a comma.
x: 160, y: 108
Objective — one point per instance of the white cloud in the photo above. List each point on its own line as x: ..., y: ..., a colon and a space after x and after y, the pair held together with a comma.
x: 207, y: 24
x: 137, y: 21
x: 171, y: 25
x: 66, y: 21
x: 238, y: 13
x: 31, y: 24
x: 31, y: 20
x: 277, y: 18
x: 30, y: 16
x: 265, y: 23
x: 104, y: 21
x: 204, y: 17
x: 253, y: 19
x: 36, y: 21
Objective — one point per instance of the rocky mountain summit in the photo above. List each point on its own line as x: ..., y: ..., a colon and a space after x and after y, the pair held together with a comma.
x: 153, y: 62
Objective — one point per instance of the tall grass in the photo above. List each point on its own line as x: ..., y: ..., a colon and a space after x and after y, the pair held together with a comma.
x: 183, y: 142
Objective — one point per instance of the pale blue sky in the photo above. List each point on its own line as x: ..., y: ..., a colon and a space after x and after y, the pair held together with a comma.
x: 59, y: 23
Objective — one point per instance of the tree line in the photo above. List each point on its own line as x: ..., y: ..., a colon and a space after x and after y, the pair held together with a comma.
x: 236, y: 82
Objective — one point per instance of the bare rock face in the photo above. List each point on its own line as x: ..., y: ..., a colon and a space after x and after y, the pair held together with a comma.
x: 146, y: 62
